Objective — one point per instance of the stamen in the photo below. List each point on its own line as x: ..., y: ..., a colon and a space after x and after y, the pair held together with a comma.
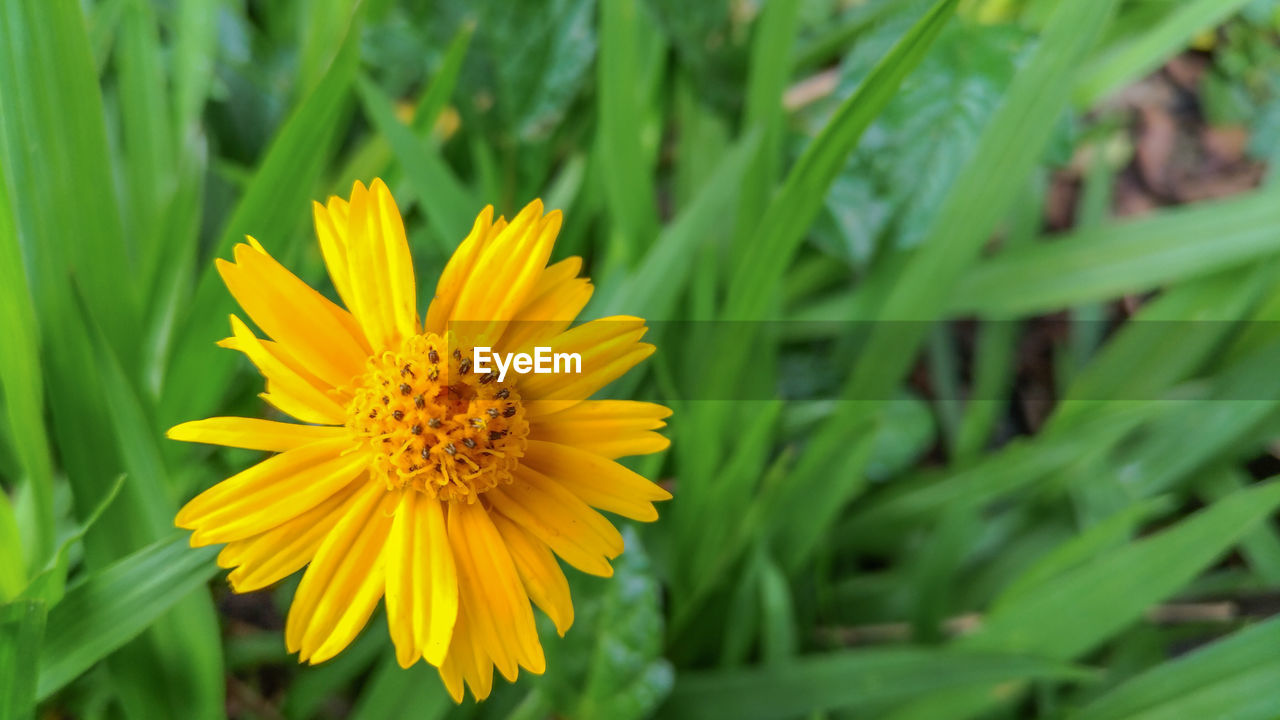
x: 482, y: 438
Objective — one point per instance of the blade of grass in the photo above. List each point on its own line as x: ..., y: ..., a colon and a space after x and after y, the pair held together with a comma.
x: 22, y: 380
x: 13, y: 572
x: 797, y: 203
x: 1114, y: 589
x: 444, y: 82
x: 194, y: 52
x: 845, y: 679
x: 1137, y: 54
x: 655, y: 286
x: 448, y: 204
x: 116, y: 603
x: 56, y: 159
x: 50, y: 585
x: 273, y: 205
x: 149, y: 142
x: 622, y: 108
x: 1236, y: 672
x: 1008, y: 151
x: 1261, y: 547
x: 22, y: 626
x: 1102, y: 263
x: 1084, y: 607
x: 392, y: 689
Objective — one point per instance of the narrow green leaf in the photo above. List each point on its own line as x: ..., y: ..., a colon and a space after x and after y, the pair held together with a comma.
x: 22, y: 380
x: 50, y: 585
x: 1085, y: 606
x: 194, y: 51
x: 1017, y: 465
x: 1097, y: 541
x: 321, y: 28
x: 13, y: 574
x: 444, y: 82
x: 1137, y: 54
x: 149, y: 140
x: 1261, y: 548
x: 392, y: 689
x: 54, y: 143
x: 848, y: 678
x: 621, y: 106
x: 1011, y: 146
x: 1234, y: 677
x: 1106, y: 262
x: 446, y: 201
x: 22, y: 626
x: 113, y: 605
x: 273, y: 205
x: 656, y: 284
x: 796, y: 204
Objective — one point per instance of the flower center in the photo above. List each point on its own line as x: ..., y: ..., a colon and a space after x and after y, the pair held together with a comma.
x: 434, y: 425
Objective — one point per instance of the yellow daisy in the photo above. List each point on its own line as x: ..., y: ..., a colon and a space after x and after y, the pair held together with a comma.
x: 417, y: 478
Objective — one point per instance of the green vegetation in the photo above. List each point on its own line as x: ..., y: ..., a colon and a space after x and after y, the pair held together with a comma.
x: 967, y: 310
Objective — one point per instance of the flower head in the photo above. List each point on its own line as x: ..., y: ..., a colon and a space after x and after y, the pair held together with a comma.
x: 412, y: 476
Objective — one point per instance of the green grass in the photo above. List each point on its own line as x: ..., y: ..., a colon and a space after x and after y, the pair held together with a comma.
x: 890, y: 501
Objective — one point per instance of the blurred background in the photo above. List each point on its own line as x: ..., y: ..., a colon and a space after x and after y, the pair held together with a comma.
x: 966, y: 308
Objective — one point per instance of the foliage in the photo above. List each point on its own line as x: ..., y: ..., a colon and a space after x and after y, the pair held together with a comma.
x: 901, y: 490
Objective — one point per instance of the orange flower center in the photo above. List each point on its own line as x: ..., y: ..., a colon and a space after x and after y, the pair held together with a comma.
x: 432, y: 424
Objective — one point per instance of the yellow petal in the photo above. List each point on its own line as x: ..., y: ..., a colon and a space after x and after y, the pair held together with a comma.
x: 344, y: 582
x: 553, y: 305
x: 505, y: 274
x: 305, y: 401
x: 380, y: 268
x: 466, y: 661
x: 422, y: 584
x: 600, y: 482
x: 487, y: 579
x: 281, y: 551
x: 609, y: 347
x: 271, y: 492
x: 253, y: 433
x: 557, y: 517
x: 331, y: 231
x: 308, y: 326
x: 542, y: 577
x: 611, y: 428
x: 458, y: 270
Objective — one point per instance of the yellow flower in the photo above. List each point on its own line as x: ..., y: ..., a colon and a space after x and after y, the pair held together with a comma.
x: 417, y: 478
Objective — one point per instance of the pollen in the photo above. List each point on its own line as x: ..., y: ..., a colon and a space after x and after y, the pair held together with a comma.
x: 431, y: 425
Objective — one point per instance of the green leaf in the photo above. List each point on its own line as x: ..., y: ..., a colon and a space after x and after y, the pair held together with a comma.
x: 796, y: 204
x: 622, y: 105
x: 1097, y: 541
x: 656, y: 284
x: 609, y: 664
x: 22, y: 625
x: 272, y: 206
x: 1145, y: 49
x: 1011, y: 145
x: 448, y: 204
x: 1019, y: 464
x: 1234, y: 677
x: 1128, y: 257
x: 392, y: 689
x: 444, y: 82
x: 1083, y: 607
x: 22, y: 379
x: 13, y: 575
x: 113, y: 605
x: 848, y: 678
x: 50, y: 585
